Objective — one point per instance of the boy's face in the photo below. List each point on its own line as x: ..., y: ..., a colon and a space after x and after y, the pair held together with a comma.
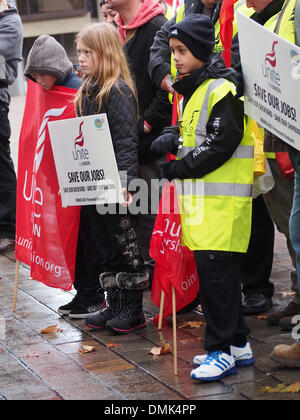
x: 46, y: 81
x: 86, y: 59
x: 185, y: 61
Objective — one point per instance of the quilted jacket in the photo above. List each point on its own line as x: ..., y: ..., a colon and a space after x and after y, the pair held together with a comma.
x: 121, y: 111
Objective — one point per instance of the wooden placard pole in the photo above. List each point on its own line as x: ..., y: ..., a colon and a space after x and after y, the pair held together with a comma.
x: 161, y: 310
x: 174, y: 331
x: 16, y: 285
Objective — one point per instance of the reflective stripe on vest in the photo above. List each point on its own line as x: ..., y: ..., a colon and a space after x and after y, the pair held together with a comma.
x: 216, y: 211
x: 200, y: 188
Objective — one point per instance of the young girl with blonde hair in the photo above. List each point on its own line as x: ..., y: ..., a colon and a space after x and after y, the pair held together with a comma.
x: 108, y: 88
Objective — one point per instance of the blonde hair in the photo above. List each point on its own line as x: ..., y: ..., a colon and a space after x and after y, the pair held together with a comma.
x: 103, y: 39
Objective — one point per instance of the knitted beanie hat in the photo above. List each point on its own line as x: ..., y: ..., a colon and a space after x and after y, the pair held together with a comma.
x: 47, y: 56
x: 197, y: 33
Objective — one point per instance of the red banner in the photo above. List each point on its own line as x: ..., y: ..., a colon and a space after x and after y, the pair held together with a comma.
x: 174, y: 264
x: 226, y: 29
x: 46, y: 233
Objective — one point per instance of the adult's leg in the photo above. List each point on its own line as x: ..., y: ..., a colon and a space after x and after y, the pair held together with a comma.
x: 8, y: 181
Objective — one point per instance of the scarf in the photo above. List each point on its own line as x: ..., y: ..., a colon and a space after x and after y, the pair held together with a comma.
x: 149, y: 9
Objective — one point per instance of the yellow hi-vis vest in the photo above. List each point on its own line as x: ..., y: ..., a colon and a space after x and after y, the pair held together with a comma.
x: 287, y: 21
x: 216, y: 211
x: 169, y: 12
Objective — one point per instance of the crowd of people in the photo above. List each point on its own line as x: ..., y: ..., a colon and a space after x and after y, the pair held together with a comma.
x: 133, y: 67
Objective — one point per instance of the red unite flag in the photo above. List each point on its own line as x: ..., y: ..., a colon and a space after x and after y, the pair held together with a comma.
x: 226, y: 29
x: 46, y: 233
x: 174, y: 264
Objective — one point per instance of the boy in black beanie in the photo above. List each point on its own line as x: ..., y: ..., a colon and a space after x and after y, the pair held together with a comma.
x: 214, y: 172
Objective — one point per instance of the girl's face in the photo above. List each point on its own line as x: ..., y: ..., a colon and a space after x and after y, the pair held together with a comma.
x: 87, y: 59
x: 185, y: 61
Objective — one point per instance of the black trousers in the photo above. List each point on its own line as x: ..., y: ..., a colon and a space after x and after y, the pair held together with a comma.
x: 8, y: 180
x: 221, y: 299
x: 87, y: 271
x: 106, y: 243
x: 256, y: 265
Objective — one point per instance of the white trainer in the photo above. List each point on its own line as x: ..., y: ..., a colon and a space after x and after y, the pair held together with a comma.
x: 243, y: 356
x: 216, y: 366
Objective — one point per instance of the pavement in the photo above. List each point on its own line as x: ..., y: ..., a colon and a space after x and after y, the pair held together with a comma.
x: 36, y: 366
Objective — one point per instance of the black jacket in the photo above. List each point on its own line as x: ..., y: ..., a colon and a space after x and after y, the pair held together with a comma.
x: 224, y: 129
x: 121, y: 110
x: 154, y: 105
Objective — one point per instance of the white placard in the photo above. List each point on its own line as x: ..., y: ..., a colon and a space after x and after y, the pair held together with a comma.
x: 271, y: 69
x: 85, y: 161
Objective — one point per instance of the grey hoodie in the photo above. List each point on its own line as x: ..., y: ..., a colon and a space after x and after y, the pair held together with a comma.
x: 47, y: 56
x: 11, y: 43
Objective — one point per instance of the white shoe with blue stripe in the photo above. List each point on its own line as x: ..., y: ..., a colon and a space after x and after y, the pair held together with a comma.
x: 243, y: 356
x: 216, y: 366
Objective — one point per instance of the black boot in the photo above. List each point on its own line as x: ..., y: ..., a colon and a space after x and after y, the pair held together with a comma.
x: 132, y: 316
x: 98, y: 321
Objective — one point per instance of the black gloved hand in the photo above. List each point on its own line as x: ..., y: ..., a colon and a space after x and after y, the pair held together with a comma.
x: 168, y: 170
x: 167, y: 142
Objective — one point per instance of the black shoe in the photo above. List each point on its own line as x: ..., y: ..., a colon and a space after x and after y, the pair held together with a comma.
x: 288, y: 323
x: 256, y: 304
x: 127, y: 324
x: 7, y: 245
x: 83, y: 310
x: 97, y: 321
x: 290, y: 311
x: 69, y: 307
x: 131, y: 317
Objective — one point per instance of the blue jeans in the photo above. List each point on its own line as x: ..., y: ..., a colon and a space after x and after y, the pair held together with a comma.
x: 295, y: 213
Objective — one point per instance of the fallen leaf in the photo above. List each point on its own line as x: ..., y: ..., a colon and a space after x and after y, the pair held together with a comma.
x: 112, y: 345
x: 294, y: 388
x: 261, y: 317
x: 164, y: 349
x: 87, y: 349
x: 51, y: 329
x: 192, y: 324
x: 155, y: 351
x: 282, y: 389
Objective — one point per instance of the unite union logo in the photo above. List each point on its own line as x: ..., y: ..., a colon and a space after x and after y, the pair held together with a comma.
x: 81, y: 153
x: 79, y: 141
x: 271, y: 57
x: 269, y: 69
